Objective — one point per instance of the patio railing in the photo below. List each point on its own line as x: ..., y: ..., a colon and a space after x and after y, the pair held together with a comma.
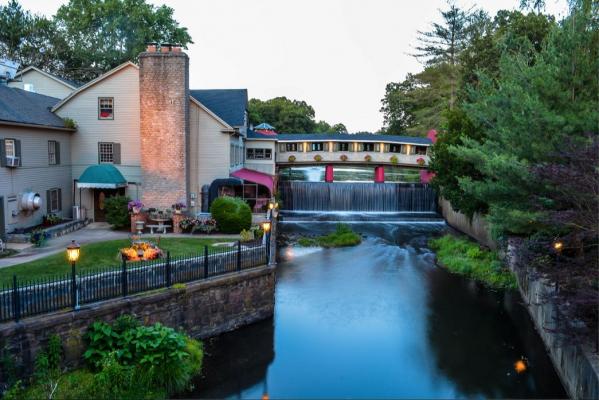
x: 24, y: 298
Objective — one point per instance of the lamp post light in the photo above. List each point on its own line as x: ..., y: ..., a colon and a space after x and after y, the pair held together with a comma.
x: 73, y: 251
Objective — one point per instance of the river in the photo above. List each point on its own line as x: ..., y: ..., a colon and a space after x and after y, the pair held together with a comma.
x: 379, y: 320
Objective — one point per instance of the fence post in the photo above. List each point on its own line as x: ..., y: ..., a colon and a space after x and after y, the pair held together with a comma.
x: 16, y: 304
x: 73, y: 287
x: 205, y: 262
x: 124, y: 280
x: 239, y: 255
x: 168, y: 269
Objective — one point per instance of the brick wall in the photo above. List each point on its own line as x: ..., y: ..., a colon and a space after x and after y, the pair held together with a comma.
x: 164, y: 126
x: 202, y: 309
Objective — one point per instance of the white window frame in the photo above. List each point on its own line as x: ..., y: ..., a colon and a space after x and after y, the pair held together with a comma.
x: 258, y: 153
x: 291, y: 146
x: 52, y: 145
x: 108, y: 104
x: 317, y: 146
x: 10, y: 151
x: 54, y: 198
x: 105, y: 156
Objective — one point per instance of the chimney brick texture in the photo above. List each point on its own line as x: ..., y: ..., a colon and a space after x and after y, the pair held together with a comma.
x: 164, y: 112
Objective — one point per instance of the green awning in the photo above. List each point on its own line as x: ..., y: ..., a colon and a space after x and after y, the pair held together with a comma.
x: 102, y: 176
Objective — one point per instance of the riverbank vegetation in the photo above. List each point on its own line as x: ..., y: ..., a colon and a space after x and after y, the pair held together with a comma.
x: 465, y: 257
x: 124, y: 360
x: 513, y: 98
x: 343, y: 236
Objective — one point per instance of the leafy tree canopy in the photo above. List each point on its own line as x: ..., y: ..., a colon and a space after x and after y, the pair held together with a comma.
x: 86, y: 37
x: 290, y: 116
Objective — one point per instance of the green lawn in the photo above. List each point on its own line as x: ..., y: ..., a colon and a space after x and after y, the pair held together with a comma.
x: 99, y: 255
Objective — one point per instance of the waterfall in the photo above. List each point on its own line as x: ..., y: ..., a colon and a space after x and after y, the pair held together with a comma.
x: 362, y: 196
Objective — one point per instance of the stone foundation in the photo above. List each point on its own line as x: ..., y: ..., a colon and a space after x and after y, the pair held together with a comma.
x: 202, y: 309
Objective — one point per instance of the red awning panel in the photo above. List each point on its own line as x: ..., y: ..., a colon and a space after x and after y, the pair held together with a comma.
x: 255, y: 177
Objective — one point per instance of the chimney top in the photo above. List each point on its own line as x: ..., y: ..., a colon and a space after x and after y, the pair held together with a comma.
x: 154, y: 47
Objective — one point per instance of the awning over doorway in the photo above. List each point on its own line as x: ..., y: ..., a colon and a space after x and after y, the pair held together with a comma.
x: 255, y: 177
x: 101, y: 176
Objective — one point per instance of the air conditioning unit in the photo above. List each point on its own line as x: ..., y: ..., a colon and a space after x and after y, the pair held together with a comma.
x: 12, y: 162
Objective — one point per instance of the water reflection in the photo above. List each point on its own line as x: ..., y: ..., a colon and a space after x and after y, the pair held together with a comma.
x: 380, y: 320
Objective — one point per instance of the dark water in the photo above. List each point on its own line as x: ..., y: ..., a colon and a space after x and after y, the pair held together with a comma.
x: 379, y: 320
x: 357, y: 196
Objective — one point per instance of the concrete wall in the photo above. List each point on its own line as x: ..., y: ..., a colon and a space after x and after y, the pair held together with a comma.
x: 35, y: 174
x: 477, y: 228
x: 203, y: 309
x: 42, y: 84
x: 577, y: 365
x: 164, y: 128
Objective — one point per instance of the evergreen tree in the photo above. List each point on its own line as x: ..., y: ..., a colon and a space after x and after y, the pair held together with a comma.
x: 526, y: 116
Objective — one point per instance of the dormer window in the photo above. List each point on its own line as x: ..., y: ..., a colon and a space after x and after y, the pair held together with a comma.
x: 105, y: 108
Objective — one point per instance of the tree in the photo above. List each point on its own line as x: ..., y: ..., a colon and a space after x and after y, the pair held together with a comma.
x: 525, y: 115
x: 449, y: 169
x: 29, y: 39
x: 290, y: 116
x: 444, y: 43
x: 416, y: 105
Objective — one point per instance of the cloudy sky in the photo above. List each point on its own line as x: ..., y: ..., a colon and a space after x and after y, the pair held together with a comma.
x: 337, y: 55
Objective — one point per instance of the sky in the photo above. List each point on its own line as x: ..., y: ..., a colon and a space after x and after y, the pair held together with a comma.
x: 337, y: 55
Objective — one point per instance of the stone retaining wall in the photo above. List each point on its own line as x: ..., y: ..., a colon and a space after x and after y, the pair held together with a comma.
x: 202, y: 309
x: 577, y: 365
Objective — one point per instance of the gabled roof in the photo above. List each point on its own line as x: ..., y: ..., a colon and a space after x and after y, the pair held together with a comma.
x: 93, y: 82
x: 67, y: 82
x: 229, y: 104
x: 212, y: 114
x: 363, y: 137
x: 19, y: 106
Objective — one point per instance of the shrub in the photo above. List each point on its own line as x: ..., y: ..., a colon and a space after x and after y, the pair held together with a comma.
x: 117, y: 211
x: 291, y: 159
x: 368, y: 158
x: 232, y: 214
x: 247, y: 236
x: 343, y: 157
x: 38, y: 237
x: 394, y: 160
x: 69, y: 123
x: 420, y: 161
x: 318, y: 158
x: 169, y: 359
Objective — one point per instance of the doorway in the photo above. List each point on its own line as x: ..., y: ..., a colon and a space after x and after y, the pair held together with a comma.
x: 100, y: 196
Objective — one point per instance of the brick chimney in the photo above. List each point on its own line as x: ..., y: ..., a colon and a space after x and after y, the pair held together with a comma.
x: 164, y: 113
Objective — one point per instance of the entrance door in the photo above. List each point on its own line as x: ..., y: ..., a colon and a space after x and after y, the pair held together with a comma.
x: 2, y: 222
x: 100, y: 195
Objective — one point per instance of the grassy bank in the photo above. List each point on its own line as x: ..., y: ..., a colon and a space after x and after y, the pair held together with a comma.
x: 342, y: 237
x: 99, y: 255
x: 464, y: 257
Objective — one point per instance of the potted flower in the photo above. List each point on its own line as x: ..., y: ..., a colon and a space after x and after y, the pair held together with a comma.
x: 135, y: 206
x: 178, y: 207
x: 420, y: 161
x: 343, y: 157
x: 368, y: 158
x: 394, y: 160
x: 291, y: 159
x: 318, y: 158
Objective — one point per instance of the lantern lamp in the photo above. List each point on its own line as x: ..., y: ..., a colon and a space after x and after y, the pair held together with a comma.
x: 266, y: 226
x: 558, y: 246
x: 73, y: 252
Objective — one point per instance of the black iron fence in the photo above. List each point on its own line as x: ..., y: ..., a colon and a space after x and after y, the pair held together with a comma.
x: 23, y: 298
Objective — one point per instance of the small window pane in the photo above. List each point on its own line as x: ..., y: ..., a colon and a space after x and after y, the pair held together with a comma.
x: 54, y: 200
x: 9, y: 147
x: 51, y: 152
x: 105, y: 108
x: 106, y: 153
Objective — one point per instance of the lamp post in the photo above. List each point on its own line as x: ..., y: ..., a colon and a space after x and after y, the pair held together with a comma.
x: 266, y: 225
x: 73, y: 257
